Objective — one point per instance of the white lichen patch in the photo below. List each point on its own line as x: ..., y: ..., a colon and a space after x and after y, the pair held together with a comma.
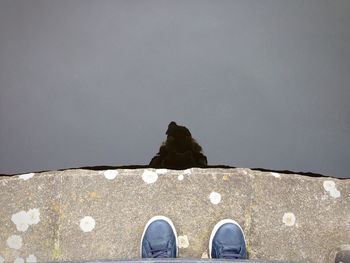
x: 14, y: 242
x: 24, y: 219
x: 18, y: 260
x: 288, y: 219
x: 110, y: 174
x: 161, y: 171
x: 330, y: 187
x: 21, y: 220
x: 26, y: 176
x: 87, y: 224
x: 277, y: 175
x: 187, y: 172
x: 33, y: 216
x: 215, y: 198
x: 2, y: 260
x: 149, y: 177
x: 183, y: 241
x: 31, y: 259
x: 180, y: 177
x: 335, y: 193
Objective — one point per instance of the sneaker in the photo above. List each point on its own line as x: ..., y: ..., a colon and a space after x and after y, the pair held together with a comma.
x: 159, y: 239
x: 227, y: 241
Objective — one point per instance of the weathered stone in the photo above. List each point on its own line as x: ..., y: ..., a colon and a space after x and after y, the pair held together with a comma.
x: 87, y: 215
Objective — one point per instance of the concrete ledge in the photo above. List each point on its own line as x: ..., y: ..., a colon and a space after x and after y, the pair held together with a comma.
x: 76, y: 215
x: 178, y: 260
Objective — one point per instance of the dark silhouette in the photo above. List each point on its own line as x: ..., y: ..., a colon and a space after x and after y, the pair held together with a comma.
x: 179, y: 151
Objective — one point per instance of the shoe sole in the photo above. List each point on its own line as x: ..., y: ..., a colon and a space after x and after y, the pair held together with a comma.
x: 155, y: 218
x: 215, y: 229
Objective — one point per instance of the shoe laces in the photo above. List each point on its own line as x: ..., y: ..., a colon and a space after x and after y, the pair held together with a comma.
x: 159, y: 253
x: 230, y: 252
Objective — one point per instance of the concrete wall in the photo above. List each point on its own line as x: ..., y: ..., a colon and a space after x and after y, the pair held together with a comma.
x: 85, y: 214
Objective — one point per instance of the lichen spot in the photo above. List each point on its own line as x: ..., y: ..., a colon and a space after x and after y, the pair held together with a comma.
x: 330, y: 187
x: 183, y: 241
x: 335, y: 193
x: 289, y: 219
x: 187, y: 172
x: 26, y: 176
x: 2, y: 260
x: 149, y: 177
x: 205, y: 255
x: 161, y: 171
x: 31, y: 259
x: 277, y: 175
x: 180, y: 177
x: 87, y: 224
x: 33, y: 216
x: 14, y: 242
x: 21, y: 220
x: 18, y: 260
x: 110, y: 174
x: 215, y: 198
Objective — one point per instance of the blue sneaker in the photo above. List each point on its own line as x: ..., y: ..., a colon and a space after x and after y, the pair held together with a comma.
x: 227, y: 241
x: 159, y: 239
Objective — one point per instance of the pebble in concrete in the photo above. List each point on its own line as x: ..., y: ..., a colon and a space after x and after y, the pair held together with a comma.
x: 330, y: 187
x: 183, y: 241
x: 215, y: 198
x: 2, y: 260
x: 31, y: 259
x: 182, y: 175
x: 87, y: 224
x: 14, y: 242
x: 277, y: 175
x: 26, y: 176
x: 161, y: 171
x: 288, y: 219
x: 149, y: 177
x: 205, y: 255
x: 187, y: 172
x: 110, y: 174
x: 18, y: 260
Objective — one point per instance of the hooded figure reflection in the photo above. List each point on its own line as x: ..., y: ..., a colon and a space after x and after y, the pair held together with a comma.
x: 179, y: 151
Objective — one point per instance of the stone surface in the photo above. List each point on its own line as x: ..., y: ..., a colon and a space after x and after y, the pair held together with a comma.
x: 88, y: 215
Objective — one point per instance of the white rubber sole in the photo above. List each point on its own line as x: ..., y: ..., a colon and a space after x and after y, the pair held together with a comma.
x: 215, y: 229
x: 166, y: 219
